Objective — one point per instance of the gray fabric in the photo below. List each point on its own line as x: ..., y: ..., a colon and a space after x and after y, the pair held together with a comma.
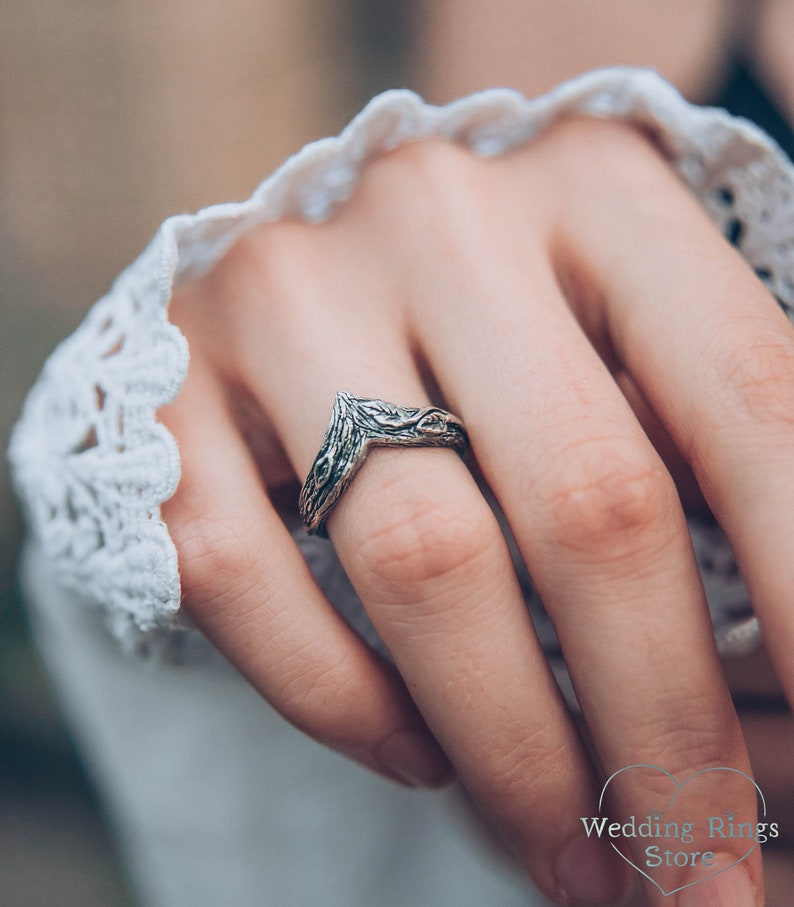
x: 218, y: 801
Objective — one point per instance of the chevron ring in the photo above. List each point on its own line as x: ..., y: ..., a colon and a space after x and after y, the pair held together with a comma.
x: 357, y: 425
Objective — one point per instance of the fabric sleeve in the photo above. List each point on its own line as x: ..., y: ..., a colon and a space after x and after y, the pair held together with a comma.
x: 91, y: 462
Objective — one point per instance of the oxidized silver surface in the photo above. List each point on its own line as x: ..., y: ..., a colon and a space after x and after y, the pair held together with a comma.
x: 357, y: 425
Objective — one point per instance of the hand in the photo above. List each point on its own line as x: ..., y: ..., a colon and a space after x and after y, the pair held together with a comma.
x: 570, y: 302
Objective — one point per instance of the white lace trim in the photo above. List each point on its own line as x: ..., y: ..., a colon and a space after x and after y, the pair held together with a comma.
x: 93, y: 465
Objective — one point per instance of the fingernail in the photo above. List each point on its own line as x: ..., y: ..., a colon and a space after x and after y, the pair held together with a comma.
x: 731, y: 888
x: 416, y: 759
x: 588, y: 873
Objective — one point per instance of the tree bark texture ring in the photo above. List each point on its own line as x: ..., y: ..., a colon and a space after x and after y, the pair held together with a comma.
x: 357, y: 425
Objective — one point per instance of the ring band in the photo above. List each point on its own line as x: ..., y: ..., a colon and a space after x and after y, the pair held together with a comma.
x: 357, y: 425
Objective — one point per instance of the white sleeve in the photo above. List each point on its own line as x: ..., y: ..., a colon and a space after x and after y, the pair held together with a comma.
x: 93, y: 465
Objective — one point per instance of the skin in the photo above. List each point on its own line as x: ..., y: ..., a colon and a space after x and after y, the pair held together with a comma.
x: 629, y: 378
x: 464, y: 46
x: 488, y: 288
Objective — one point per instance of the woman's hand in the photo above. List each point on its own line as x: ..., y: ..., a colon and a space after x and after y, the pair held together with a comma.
x: 571, y: 303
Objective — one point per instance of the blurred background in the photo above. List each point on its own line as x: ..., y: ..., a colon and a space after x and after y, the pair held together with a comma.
x: 116, y: 115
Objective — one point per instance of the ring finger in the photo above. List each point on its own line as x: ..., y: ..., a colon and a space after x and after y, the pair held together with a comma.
x: 430, y: 563
x: 599, y: 523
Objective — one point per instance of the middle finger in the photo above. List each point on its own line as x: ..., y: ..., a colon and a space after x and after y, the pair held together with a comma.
x: 428, y: 559
x: 596, y: 517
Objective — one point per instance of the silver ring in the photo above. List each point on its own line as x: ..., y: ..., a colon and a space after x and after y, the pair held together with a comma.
x: 357, y: 425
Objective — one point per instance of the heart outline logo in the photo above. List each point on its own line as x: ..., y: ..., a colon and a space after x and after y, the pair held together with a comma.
x: 679, y: 785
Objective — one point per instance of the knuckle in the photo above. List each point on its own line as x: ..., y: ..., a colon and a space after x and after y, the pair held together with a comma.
x: 323, y: 699
x: 265, y: 271
x: 620, y: 495
x: 759, y: 378
x: 432, y: 164
x: 216, y: 557
x: 421, y: 536
x: 692, y: 737
x: 617, y: 154
x: 261, y: 259
x: 532, y: 770
x: 441, y: 180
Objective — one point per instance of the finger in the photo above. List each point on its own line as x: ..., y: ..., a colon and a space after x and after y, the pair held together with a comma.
x: 714, y: 356
x: 428, y: 560
x: 248, y: 588
x: 685, y: 482
x: 595, y: 515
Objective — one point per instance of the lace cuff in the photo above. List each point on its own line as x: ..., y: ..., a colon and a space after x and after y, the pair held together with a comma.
x: 92, y: 464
